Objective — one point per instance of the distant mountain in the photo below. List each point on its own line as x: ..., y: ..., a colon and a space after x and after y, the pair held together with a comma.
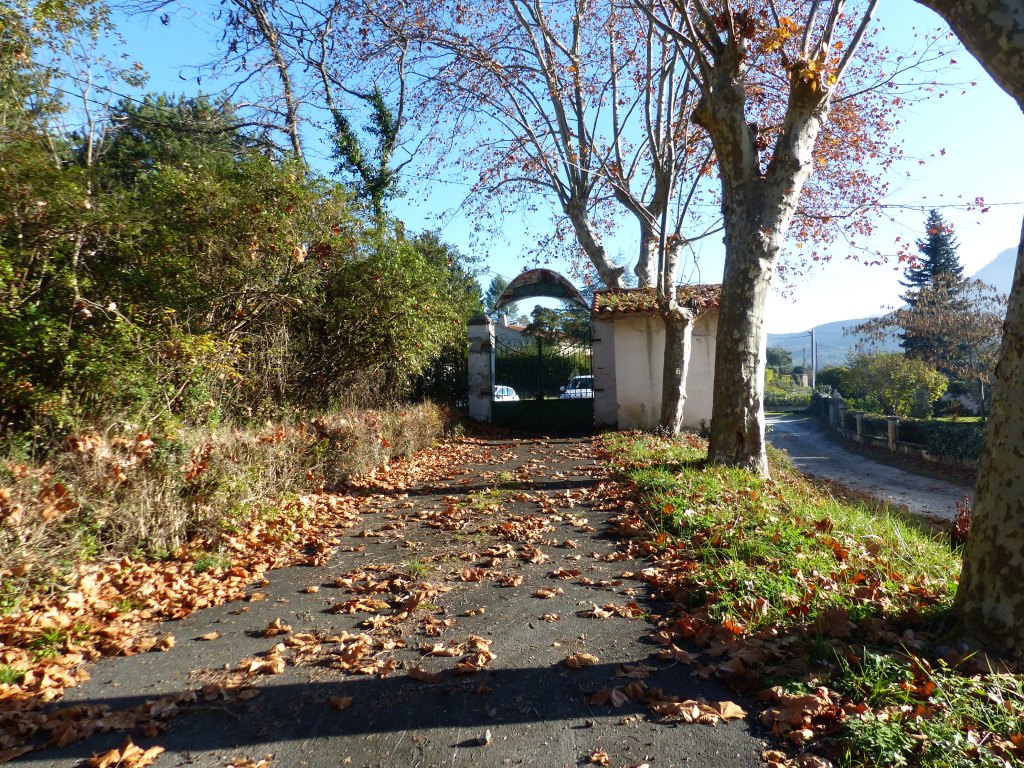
x: 999, y: 271
x: 833, y: 343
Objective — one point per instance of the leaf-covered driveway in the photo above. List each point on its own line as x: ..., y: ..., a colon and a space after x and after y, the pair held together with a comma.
x: 474, y: 608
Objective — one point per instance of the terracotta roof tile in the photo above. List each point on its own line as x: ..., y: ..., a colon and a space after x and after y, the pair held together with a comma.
x: 641, y: 301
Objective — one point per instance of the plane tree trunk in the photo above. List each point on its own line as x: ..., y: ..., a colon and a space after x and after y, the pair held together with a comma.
x: 990, y: 599
x: 757, y: 208
x: 678, y: 332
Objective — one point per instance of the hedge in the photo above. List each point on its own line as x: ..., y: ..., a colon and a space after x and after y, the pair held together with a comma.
x: 959, y: 439
x: 780, y: 398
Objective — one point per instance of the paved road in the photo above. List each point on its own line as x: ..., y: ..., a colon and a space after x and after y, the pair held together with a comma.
x: 816, y: 454
x: 486, y: 552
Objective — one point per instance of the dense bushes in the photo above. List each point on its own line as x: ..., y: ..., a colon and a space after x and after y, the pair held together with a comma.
x: 956, y: 439
x: 778, y: 398
x: 178, y: 275
x: 107, y: 495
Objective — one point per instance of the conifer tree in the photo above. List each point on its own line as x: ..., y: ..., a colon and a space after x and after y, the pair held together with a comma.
x: 938, y: 273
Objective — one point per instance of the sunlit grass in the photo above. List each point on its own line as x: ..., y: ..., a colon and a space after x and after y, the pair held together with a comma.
x: 782, y: 558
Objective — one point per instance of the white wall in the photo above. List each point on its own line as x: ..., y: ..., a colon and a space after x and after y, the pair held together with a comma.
x: 701, y: 376
x: 639, y: 355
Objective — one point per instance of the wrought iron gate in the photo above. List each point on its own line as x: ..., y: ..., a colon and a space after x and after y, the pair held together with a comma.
x: 531, y: 376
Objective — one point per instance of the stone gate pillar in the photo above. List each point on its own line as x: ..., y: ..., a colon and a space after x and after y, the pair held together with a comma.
x: 602, y: 350
x: 481, y: 366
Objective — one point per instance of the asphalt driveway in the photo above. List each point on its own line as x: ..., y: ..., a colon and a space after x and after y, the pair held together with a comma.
x: 814, y: 453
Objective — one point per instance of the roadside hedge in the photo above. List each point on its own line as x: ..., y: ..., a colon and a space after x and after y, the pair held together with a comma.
x: 779, y: 398
x: 959, y: 439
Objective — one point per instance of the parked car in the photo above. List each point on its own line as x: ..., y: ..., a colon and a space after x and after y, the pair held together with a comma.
x: 578, y: 387
x: 505, y: 394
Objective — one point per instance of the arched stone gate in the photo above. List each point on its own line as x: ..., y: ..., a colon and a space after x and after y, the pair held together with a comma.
x: 525, y: 379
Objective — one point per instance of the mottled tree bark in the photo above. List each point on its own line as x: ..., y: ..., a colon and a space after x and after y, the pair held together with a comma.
x: 590, y: 241
x: 990, y: 599
x: 757, y: 208
x: 993, y: 31
x: 678, y: 332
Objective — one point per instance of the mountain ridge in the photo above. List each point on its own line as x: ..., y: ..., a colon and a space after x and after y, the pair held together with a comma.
x: 835, y: 344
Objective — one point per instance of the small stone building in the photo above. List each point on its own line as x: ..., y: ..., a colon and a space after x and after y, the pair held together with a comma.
x: 627, y: 352
x: 628, y: 342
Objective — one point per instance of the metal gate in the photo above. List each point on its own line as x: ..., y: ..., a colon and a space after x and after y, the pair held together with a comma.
x: 543, y: 384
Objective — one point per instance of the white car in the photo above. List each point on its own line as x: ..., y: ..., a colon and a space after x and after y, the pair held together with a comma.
x: 578, y: 387
x: 505, y: 394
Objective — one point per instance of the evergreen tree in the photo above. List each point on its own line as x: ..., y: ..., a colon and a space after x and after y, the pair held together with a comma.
x: 938, y: 272
x: 493, y: 292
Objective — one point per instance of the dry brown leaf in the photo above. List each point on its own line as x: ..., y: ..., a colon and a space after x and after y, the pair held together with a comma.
x: 165, y: 643
x: 615, y: 697
x: 598, y: 757
x: 341, y: 703
x: 6, y: 755
x: 565, y: 573
x: 128, y: 756
x: 546, y: 593
x: 551, y: 617
x: 277, y: 627
x: 472, y: 574
x: 418, y: 673
x: 209, y: 636
x: 635, y: 671
x: 245, y: 762
x: 728, y: 710
x: 581, y: 660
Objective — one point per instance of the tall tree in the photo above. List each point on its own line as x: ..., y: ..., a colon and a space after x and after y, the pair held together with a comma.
x: 938, y: 258
x: 939, y: 273
x: 770, y: 76
x: 990, y: 598
x: 583, y: 102
x: 955, y: 326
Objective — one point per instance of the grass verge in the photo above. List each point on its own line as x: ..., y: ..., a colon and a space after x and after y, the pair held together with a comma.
x: 835, y: 614
x: 107, y: 495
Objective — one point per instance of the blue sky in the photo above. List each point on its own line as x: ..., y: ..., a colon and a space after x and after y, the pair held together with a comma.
x: 970, y: 142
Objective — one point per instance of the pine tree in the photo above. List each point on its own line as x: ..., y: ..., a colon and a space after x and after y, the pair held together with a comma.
x: 937, y: 272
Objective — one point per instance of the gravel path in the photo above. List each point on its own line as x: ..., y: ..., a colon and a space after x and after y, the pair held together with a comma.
x: 814, y: 453
x: 488, y: 535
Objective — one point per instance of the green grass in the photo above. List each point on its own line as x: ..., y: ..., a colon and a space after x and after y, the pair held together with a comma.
x: 11, y: 675
x: 418, y: 569
x: 208, y: 561
x: 833, y: 591
x: 488, y: 498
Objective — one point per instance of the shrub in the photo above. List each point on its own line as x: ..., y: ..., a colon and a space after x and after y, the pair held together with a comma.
x: 107, y: 495
x: 780, y: 398
x: 960, y: 440
x: 896, y: 384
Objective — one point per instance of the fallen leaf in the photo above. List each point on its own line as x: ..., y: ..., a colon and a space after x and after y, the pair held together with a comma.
x: 418, y: 673
x: 729, y: 710
x: 209, y: 636
x: 244, y: 762
x: 277, y: 627
x: 581, y: 660
x: 635, y: 671
x: 597, y: 757
x: 614, y: 697
x: 546, y: 593
x: 128, y: 756
x: 341, y: 703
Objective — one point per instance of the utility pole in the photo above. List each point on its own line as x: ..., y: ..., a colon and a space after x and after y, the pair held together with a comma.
x: 814, y: 361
